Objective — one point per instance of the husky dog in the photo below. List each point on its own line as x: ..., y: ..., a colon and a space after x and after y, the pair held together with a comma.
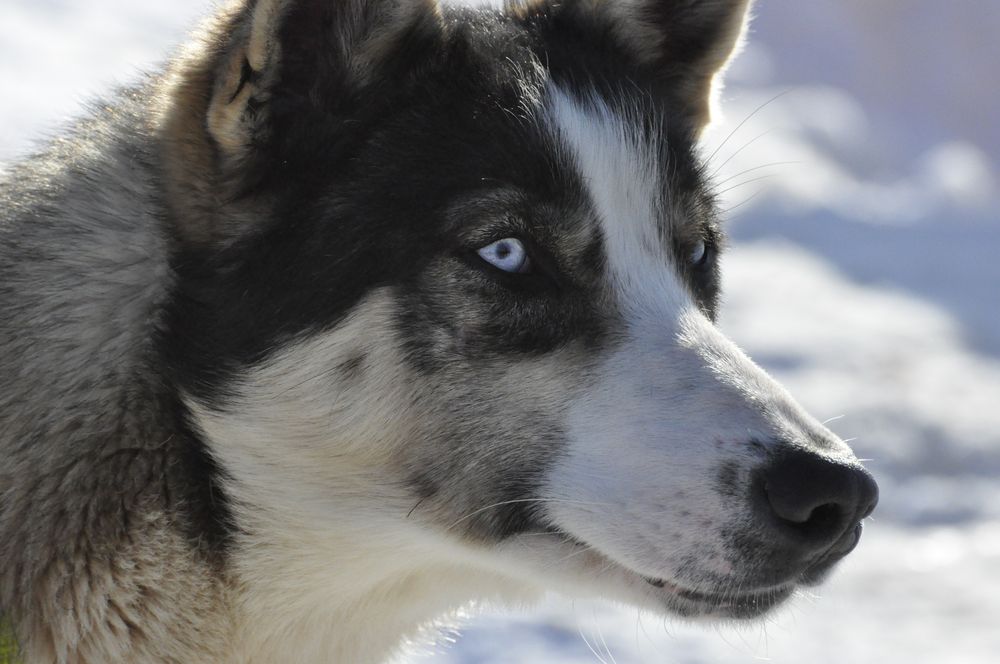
x: 362, y: 310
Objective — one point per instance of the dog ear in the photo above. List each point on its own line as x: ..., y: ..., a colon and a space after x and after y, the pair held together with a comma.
x: 691, y: 40
x: 307, y: 48
x: 259, y: 68
x: 688, y: 42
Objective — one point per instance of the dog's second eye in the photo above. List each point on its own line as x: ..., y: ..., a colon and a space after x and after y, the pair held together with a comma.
x: 700, y: 254
x: 508, y: 255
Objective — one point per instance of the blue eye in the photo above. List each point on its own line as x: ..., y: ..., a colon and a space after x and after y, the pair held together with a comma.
x: 508, y: 255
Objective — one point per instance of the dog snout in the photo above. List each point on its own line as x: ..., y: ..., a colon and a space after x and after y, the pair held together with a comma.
x: 814, y: 502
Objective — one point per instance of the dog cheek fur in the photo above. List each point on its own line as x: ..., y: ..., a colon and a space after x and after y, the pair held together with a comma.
x: 341, y: 448
x: 452, y: 432
x: 487, y: 446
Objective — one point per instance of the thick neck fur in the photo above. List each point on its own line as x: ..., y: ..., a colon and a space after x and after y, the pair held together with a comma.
x: 96, y: 559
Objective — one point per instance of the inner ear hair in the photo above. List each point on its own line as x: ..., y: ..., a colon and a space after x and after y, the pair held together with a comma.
x: 248, y: 66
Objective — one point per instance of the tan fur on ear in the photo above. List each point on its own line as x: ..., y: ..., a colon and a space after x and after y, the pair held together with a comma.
x: 243, y: 74
x: 262, y: 48
x: 225, y: 117
x: 184, y: 96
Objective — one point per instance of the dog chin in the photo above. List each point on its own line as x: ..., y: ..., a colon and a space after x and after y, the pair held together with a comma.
x: 560, y: 562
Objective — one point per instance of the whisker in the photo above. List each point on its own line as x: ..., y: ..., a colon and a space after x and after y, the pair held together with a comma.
x: 638, y: 619
x: 745, y: 120
x: 414, y: 508
x: 600, y: 659
x: 522, y: 500
x: 583, y: 549
x: 756, y: 168
x: 600, y: 634
x: 742, y: 203
x: 745, y: 182
x: 739, y: 150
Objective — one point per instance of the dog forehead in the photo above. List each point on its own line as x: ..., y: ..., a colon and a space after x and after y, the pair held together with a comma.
x: 621, y: 162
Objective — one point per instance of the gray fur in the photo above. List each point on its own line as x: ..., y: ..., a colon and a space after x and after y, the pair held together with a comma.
x: 88, y: 486
x: 350, y: 473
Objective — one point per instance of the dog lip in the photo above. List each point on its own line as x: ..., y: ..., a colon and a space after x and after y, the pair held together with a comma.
x: 718, y: 600
x: 818, y: 570
x: 847, y: 543
x: 745, y: 604
x: 659, y: 583
x: 684, y: 593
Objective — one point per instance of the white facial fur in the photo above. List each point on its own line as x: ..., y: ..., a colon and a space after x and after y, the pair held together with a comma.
x: 675, y: 402
x: 332, y: 539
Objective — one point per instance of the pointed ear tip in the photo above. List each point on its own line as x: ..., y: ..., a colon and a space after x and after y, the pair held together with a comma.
x: 739, y: 30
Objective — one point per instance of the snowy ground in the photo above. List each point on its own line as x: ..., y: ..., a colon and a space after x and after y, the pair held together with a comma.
x: 864, y: 275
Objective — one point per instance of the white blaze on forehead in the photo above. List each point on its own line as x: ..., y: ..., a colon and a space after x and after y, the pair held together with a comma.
x: 623, y: 174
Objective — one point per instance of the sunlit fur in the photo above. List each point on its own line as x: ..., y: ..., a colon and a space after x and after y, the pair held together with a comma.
x: 260, y: 401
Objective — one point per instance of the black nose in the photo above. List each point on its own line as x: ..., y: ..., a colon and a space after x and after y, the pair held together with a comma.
x: 813, y: 500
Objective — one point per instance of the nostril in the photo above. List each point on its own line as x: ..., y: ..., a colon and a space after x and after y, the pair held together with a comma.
x: 825, y: 514
x: 813, y: 499
x: 820, y: 520
x: 793, y: 508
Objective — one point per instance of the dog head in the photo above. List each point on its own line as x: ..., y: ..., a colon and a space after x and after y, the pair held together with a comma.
x: 446, y: 280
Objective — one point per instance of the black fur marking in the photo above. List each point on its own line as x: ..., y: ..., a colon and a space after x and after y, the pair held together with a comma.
x: 361, y: 181
x: 353, y: 368
x: 206, y: 513
x: 360, y: 190
x: 395, y: 183
x: 728, y: 480
x: 425, y: 487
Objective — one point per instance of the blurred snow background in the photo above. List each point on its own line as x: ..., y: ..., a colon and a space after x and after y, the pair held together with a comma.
x: 858, y: 156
